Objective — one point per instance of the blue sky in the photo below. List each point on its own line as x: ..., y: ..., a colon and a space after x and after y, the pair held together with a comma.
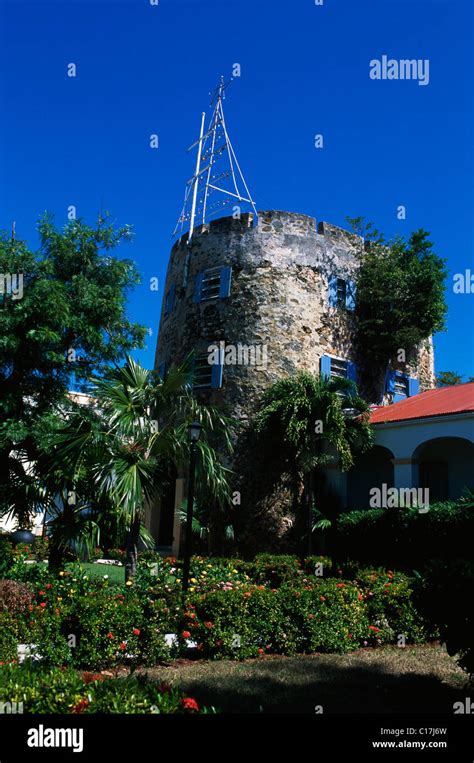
x: 144, y: 69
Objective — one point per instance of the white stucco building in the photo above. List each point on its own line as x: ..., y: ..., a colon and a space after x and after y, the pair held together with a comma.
x: 425, y: 441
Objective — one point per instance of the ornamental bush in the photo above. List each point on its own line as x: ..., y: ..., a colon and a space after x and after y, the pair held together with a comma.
x: 56, y: 690
x: 404, y: 537
x: 8, y: 638
x: 14, y: 596
x: 446, y: 597
x: 274, y: 570
x: 389, y: 603
x: 105, y: 627
x: 88, y: 623
x: 329, y: 615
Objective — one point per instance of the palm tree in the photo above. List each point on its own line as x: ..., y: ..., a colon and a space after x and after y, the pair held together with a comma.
x: 127, y: 440
x: 310, y: 416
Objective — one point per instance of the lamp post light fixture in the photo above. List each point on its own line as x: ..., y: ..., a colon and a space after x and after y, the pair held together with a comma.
x: 194, y: 433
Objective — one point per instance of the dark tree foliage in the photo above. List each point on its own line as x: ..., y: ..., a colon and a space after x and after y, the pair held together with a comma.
x: 68, y: 318
x: 400, y: 294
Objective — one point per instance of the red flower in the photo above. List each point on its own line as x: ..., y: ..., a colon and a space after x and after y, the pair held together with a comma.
x: 41, y: 593
x: 340, y: 585
x: 81, y: 706
x: 192, y: 614
x: 110, y: 635
x: 373, y: 628
x: 185, y: 634
x: 43, y: 604
x: 122, y: 645
x: 49, y: 585
x: 260, y: 651
x: 188, y: 703
x: 322, y: 598
x: 208, y: 625
x: 136, y: 631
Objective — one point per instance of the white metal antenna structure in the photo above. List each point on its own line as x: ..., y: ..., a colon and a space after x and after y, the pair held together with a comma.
x: 217, y: 179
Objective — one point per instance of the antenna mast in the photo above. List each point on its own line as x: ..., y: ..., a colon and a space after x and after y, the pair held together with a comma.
x: 217, y: 171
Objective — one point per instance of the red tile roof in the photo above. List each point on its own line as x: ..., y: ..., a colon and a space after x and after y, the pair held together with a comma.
x: 434, y: 402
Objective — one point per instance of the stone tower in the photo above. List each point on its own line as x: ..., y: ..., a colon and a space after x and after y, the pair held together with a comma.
x: 259, y: 301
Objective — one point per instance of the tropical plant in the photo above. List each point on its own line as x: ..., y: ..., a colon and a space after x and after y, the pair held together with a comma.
x: 128, y: 439
x: 315, y: 421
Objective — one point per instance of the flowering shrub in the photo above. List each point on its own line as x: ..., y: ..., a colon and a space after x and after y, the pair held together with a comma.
x: 325, y: 616
x: 88, y: 622
x: 330, y: 616
x: 388, y: 596
x: 313, y: 565
x: 9, y: 638
x: 56, y: 690
x: 238, y: 623
x: 274, y: 569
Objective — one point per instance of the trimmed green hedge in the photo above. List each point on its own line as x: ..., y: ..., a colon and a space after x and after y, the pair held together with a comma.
x: 404, y: 537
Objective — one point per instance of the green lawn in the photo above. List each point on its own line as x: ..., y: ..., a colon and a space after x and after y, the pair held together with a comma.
x: 413, y: 680
x: 116, y: 574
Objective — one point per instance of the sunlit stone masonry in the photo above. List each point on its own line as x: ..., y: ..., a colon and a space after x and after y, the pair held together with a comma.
x: 257, y: 301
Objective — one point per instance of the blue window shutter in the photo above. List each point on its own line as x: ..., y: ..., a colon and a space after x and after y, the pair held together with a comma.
x: 413, y: 386
x: 390, y: 381
x: 332, y: 291
x: 216, y: 377
x: 325, y: 366
x: 351, y: 371
x: 226, y: 277
x: 162, y: 370
x: 351, y: 295
x: 197, y: 287
x: 169, y: 301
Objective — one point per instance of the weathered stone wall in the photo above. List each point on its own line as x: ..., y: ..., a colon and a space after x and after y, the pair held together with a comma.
x: 278, y: 298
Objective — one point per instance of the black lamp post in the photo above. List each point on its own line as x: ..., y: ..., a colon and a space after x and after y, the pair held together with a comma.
x: 194, y: 433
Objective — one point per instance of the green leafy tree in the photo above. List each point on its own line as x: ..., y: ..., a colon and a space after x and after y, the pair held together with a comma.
x: 66, y: 321
x: 126, y: 442
x: 314, y: 421
x: 400, y: 299
x: 448, y: 379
